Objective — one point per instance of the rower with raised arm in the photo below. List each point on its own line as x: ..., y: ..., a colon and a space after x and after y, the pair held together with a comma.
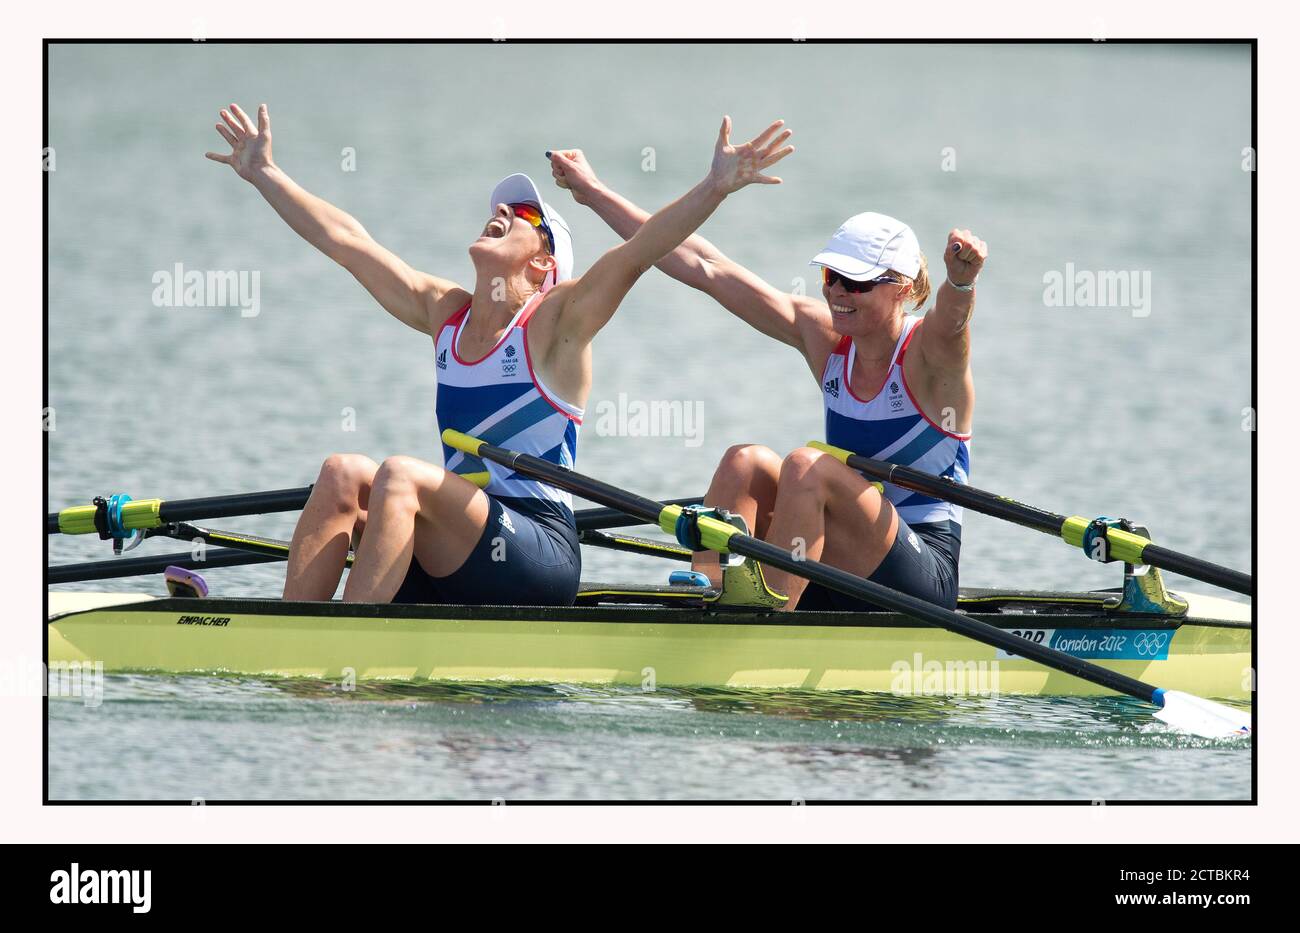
x: 513, y: 358
x: 894, y: 386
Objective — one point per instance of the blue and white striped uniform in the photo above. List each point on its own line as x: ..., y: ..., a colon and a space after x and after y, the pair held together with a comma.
x: 889, y: 425
x: 529, y: 552
x: 502, y: 400
x: 885, y: 423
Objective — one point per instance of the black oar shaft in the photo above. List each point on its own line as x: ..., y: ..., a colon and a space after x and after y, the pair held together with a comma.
x: 852, y: 585
x: 251, y: 549
x: 831, y: 577
x: 140, y: 566
x: 618, y: 500
x: 987, y: 503
x: 597, y: 519
x: 257, y: 503
x: 977, y: 500
x: 206, y: 507
x: 289, y: 500
x: 1197, y: 569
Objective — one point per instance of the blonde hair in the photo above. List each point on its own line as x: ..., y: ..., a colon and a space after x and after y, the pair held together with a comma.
x: 920, y: 286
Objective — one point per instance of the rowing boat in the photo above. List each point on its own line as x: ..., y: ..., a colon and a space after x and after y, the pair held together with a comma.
x: 1142, y: 640
x: 658, y: 636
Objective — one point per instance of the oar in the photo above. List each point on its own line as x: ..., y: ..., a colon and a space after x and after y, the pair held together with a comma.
x: 239, y: 556
x: 143, y: 566
x: 243, y: 549
x: 144, y: 514
x: 594, y: 519
x: 240, y: 550
x: 1072, y: 529
x: 1181, y: 710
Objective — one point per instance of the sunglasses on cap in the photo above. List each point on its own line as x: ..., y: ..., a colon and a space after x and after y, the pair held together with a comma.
x: 532, y: 215
x: 853, y: 286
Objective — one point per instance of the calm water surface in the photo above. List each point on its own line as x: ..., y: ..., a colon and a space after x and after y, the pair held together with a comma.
x: 224, y: 738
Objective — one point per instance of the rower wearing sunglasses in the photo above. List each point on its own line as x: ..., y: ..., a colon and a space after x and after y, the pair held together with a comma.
x: 894, y: 386
x: 513, y: 363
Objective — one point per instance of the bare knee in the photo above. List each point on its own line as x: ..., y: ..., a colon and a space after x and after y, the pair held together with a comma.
x: 397, y: 471
x: 347, y: 469
x: 403, y: 477
x: 808, y: 469
x: 344, y: 478
x: 744, y: 462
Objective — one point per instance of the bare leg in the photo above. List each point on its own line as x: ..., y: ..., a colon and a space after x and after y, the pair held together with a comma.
x: 745, y: 483
x: 419, y: 509
x: 834, y: 513
x: 337, y: 506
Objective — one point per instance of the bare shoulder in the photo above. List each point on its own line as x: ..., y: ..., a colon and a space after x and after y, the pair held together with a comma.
x: 816, y: 331
x: 550, y: 309
x: 942, y: 347
x: 545, y: 327
x: 560, y: 354
x: 442, y: 304
x: 943, y: 388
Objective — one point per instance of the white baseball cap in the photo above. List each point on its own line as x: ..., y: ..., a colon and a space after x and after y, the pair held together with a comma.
x: 868, y: 245
x: 519, y: 189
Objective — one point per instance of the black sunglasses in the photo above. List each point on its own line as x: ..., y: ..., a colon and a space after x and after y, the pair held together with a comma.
x: 853, y: 286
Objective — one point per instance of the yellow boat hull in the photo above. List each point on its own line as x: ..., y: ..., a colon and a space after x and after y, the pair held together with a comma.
x: 643, y: 646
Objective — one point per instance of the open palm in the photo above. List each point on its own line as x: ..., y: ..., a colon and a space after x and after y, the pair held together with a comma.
x: 250, y: 146
x: 734, y: 167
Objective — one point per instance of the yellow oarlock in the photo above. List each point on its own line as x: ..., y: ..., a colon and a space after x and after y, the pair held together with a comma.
x: 1124, y: 545
x: 714, y: 533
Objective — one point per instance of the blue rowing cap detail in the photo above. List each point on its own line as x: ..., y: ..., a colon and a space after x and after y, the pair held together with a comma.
x: 687, y: 578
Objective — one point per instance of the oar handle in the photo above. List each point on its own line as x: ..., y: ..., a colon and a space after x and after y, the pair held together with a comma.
x: 629, y: 503
x: 940, y: 487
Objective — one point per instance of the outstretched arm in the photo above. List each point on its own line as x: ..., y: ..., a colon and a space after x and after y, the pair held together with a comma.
x: 593, y: 298
x: 696, y: 262
x: 945, y: 338
x: 407, y: 294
